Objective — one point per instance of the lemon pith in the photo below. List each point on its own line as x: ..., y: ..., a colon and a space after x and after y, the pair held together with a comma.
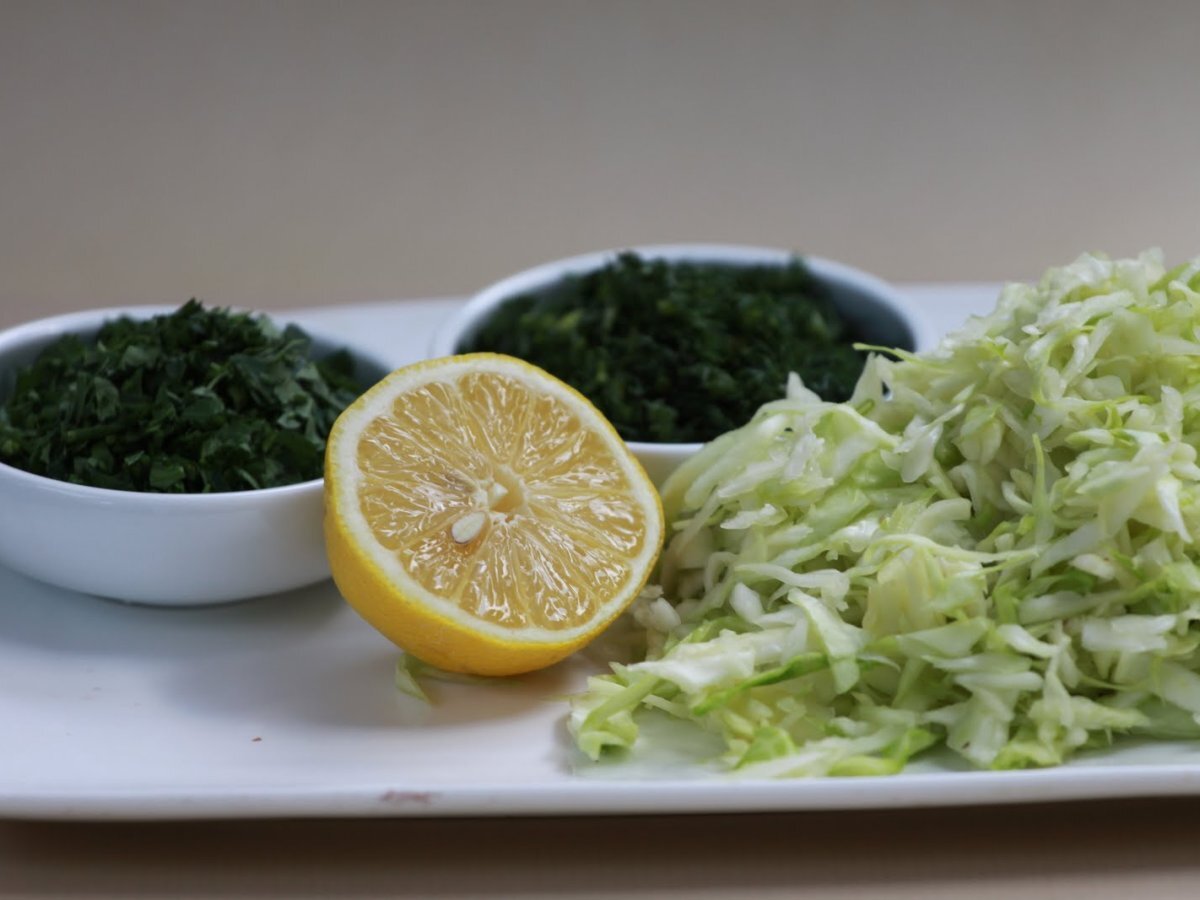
x: 484, y: 516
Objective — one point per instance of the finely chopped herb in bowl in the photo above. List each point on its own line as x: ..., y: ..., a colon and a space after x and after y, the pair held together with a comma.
x: 677, y: 344
x: 680, y: 352
x: 195, y: 401
x: 201, y: 491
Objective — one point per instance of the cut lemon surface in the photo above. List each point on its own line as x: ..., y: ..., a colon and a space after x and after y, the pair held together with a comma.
x: 484, y: 516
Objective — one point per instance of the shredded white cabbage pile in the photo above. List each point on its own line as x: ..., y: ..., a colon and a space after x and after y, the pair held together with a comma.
x: 990, y: 547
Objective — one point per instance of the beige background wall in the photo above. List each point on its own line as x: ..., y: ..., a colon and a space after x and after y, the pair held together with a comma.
x: 287, y: 153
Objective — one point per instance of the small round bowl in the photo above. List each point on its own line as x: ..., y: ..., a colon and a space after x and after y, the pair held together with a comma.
x: 873, y: 309
x: 159, y: 549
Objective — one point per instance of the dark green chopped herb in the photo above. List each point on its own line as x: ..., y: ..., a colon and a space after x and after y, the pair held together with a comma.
x: 680, y: 352
x: 197, y: 401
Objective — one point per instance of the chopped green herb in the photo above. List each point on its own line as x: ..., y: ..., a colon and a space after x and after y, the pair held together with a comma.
x: 680, y: 352
x: 197, y: 401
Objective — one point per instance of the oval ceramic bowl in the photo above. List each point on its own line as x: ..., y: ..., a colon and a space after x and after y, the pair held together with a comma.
x: 161, y: 549
x: 874, y: 309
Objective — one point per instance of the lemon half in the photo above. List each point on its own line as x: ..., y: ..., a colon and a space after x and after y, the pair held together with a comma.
x: 485, y: 516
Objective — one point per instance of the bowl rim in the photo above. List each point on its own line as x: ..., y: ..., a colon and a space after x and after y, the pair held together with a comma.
x: 51, y: 327
x: 447, y: 334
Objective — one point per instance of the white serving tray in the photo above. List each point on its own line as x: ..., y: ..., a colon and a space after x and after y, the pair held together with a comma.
x: 284, y: 706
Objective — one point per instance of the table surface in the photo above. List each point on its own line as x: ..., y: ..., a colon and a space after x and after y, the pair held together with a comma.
x: 1096, y: 850
x: 303, y: 154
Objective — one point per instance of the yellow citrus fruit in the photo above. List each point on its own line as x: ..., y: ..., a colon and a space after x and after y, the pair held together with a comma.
x: 484, y: 516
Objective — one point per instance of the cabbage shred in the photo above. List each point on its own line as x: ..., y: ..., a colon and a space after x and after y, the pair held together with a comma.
x: 990, y: 547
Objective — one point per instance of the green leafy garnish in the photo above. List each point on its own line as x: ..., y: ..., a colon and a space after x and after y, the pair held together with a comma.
x: 197, y: 401
x: 680, y: 352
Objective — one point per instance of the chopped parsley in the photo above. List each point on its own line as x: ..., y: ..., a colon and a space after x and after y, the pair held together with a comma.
x: 196, y: 401
x: 680, y: 352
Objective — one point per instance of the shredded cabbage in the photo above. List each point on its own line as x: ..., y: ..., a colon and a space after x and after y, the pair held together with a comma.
x: 989, y: 547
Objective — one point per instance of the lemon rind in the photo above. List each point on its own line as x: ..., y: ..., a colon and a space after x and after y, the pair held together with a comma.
x: 377, y: 402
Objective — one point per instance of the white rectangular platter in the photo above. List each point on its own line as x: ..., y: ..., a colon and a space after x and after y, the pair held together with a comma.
x: 285, y: 706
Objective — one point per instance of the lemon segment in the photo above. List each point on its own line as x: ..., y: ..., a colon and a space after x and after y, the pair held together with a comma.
x: 484, y: 516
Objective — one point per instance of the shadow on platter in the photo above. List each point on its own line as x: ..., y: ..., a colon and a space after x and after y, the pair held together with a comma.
x: 42, y: 617
x: 348, y: 682
x: 300, y: 659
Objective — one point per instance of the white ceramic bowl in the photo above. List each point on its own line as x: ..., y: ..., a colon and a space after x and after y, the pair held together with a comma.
x: 161, y: 549
x: 873, y: 308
